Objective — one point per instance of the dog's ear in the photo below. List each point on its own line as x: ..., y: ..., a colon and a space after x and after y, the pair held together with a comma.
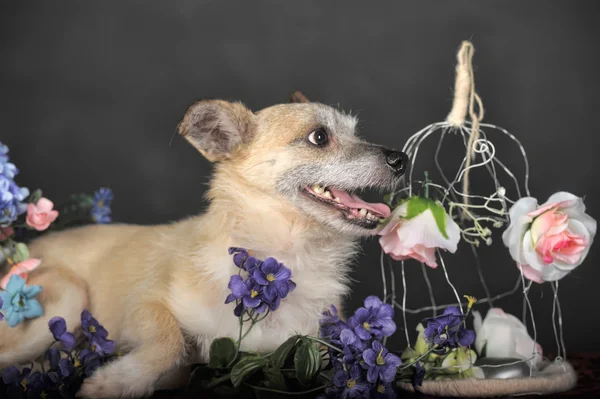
x: 298, y: 97
x: 217, y: 128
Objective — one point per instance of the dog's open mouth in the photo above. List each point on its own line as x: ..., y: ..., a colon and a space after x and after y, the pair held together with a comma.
x: 354, y: 209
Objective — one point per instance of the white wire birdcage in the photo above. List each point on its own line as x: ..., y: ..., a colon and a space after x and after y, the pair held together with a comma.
x: 475, y: 212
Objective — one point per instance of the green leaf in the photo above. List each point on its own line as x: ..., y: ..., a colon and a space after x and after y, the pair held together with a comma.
x: 222, y: 352
x: 439, y: 214
x: 416, y: 206
x: 199, y: 378
x: 21, y: 252
x: 275, y: 379
x: 245, y: 368
x: 35, y: 196
x: 281, y: 354
x: 307, y: 362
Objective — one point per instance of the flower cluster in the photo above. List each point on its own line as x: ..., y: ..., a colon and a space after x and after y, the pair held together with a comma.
x: 448, y: 331
x: 267, y: 283
x: 12, y: 197
x: 101, y: 211
x: 67, y: 364
x: 363, y: 366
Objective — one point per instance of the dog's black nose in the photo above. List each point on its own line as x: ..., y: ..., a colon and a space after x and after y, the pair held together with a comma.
x: 396, y: 160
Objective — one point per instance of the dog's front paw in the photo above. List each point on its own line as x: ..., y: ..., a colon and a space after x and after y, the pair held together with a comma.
x: 112, y: 382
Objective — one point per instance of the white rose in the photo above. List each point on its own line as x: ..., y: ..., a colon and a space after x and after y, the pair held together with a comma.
x: 504, y: 336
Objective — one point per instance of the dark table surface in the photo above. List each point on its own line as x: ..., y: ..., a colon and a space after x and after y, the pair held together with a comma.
x: 587, y: 366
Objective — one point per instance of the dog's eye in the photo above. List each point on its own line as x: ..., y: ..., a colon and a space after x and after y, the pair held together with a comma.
x: 318, y: 137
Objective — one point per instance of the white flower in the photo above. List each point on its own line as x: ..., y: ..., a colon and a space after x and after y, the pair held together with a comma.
x: 549, y: 241
x: 416, y: 228
x: 504, y: 336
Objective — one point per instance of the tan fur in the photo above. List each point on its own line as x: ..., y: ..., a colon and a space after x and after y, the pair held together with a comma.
x: 161, y: 289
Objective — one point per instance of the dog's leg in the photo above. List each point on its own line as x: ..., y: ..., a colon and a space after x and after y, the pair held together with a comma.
x: 63, y: 294
x: 135, y: 374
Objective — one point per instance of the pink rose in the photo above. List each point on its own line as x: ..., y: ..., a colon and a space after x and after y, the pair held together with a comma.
x: 21, y: 269
x: 40, y: 215
x: 416, y: 228
x: 549, y: 241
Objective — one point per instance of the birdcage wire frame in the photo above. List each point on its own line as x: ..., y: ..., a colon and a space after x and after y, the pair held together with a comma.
x: 479, y: 207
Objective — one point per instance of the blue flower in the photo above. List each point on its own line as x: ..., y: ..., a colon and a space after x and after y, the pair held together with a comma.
x: 374, y: 320
x: 380, y: 363
x: 96, y: 335
x: 7, y: 169
x: 243, y: 259
x: 447, y: 330
x: 249, y: 293
x: 19, y: 301
x: 12, y: 199
x: 275, y: 277
x: 58, y: 328
x: 101, y: 211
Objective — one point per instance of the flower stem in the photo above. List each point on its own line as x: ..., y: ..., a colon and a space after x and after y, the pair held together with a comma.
x: 239, y: 342
x: 286, y: 392
x: 419, y: 358
x: 219, y: 380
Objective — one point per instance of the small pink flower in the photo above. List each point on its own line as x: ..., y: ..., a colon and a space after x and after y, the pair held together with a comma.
x: 549, y: 241
x: 21, y: 269
x: 419, y: 236
x: 40, y: 215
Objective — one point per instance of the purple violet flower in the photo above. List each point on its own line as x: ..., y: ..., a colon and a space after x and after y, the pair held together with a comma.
x: 16, y: 380
x: 352, y: 347
x: 374, y: 320
x: 383, y: 390
x: 96, y: 334
x: 58, y: 328
x: 349, y: 384
x: 418, y: 375
x: 243, y: 259
x: 380, y: 363
x: 249, y: 293
x: 275, y: 277
x: 331, y: 326
x: 447, y: 331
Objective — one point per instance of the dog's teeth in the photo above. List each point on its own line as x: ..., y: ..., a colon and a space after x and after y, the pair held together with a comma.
x: 369, y: 215
x: 318, y: 189
x: 336, y: 199
x: 328, y: 194
x: 363, y: 212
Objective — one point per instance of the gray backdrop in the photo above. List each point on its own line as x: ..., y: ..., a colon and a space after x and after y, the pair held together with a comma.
x: 90, y: 95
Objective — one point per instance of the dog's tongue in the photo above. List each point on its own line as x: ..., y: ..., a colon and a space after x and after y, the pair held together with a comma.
x: 352, y: 201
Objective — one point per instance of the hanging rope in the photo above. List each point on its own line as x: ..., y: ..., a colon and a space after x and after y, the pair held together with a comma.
x: 466, y: 100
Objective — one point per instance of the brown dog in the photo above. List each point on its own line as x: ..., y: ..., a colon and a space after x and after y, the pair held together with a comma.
x: 281, y: 187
